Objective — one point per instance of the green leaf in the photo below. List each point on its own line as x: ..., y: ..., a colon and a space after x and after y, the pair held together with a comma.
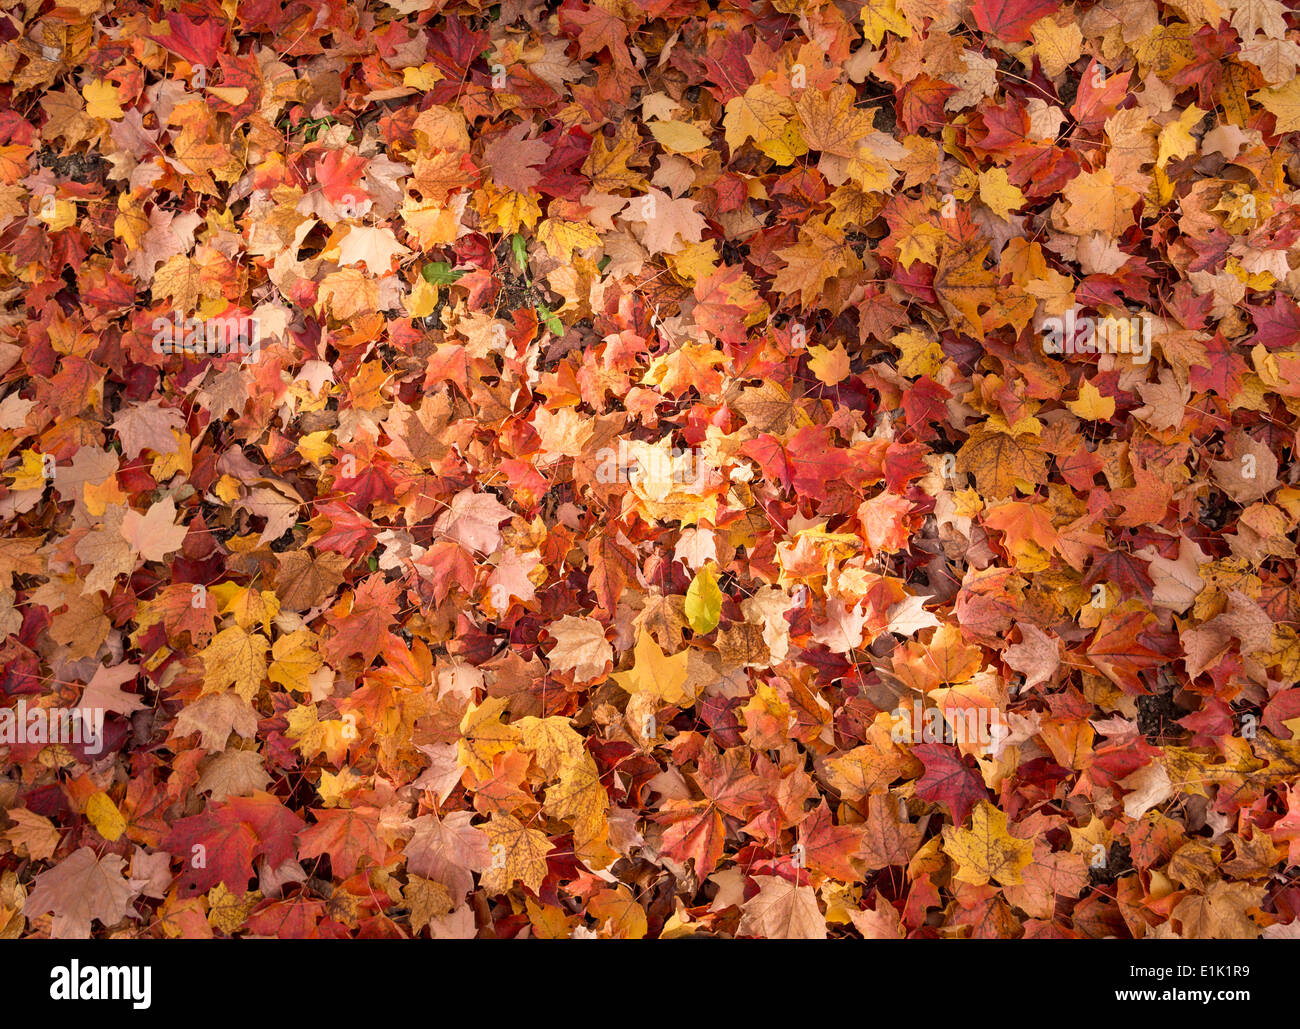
x: 440, y: 273
x: 520, y: 250
x: 704, y: 602
x: 550, y: 321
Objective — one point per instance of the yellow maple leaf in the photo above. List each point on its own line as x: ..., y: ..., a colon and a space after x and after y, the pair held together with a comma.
x: 553, y: 741
x: 1097, y: 203
x: 787, y: 147
x: 294, y: 659
x: 315, y: 446
x: 998, y: 192
x: 103, y: 814
x: 101, y: 100
x: 963, y: 285
x: 654, y: 672
x: 426, y: 76
x: 1002, y: 461
x: 31, y: 473
x: 1176, y: 138
x: 178, y: 280
x: 606, y: 166
x: 561, y: 238
x: 483, y: 735
x: 760, y: 113
x: 830, y: 365
x: 1091, y: 405
x: 422, y: 301
x: 313, y: 736
x: 618, y: 913
x: 435, y: 224
x: 881, y: 16
x: 678, y: 137
x: 832, y: 123
x: 518, y: 853
x: 921, y: 355
x: 249, y: 606
x: 235, y: 659
x: 921, y: 243
x: 59, y: 215
x: 1057, y: 46
x: 347, y: 293
x: 580, y: 800
x: 1284, y: 103
x: 1055, y: 290
x: 987, y: 851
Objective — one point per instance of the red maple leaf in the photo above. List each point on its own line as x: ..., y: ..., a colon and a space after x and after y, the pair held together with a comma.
x: 1010, y: 19
x: 949, y: 780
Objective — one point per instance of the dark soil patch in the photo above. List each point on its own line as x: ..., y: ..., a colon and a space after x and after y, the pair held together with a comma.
x: 1157, y: 717
x: 83, y: 168
x: 1068, y: 90
x: 1118, y: 861
x: 516, y: 294
x: 886, y: 116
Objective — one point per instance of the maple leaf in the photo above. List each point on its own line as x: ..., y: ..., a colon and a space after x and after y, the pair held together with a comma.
x: 107, y: 551
x: 782, y: 910
x: 215, y: 717
x: 581, y: 647
x: 294, y: 659
x: 760, y: 113
x: 831, y: 121
x: 1118, y: 651
x: 346, y: 835
x: 513, y: 158
x: 518, y: 854
x: 448, y: 850
x: 371, y: 246
x: 1011, y: 19
x: 82, y: 888
x: 964, y: 285
x: 153, y: 535
x: 889, y: 838
x: 364, y: 628
x: 986, y: 851
x: 104, y: 690
x: 304, y: 580
x: 148, y: 426
x: 220, y: 844
x: 727, y: 298
x: 949, y: 780
x: 484, y: 735
x: 670, y: 224
x: 580, y: 799
x: 235, y: 658
x: 653, y: 672
x: 820, y: 254
x: 599, y: 28
x: 1284, y: 103
x: 472, y: 520
x: 620, y: 914
x: 830, y: 848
